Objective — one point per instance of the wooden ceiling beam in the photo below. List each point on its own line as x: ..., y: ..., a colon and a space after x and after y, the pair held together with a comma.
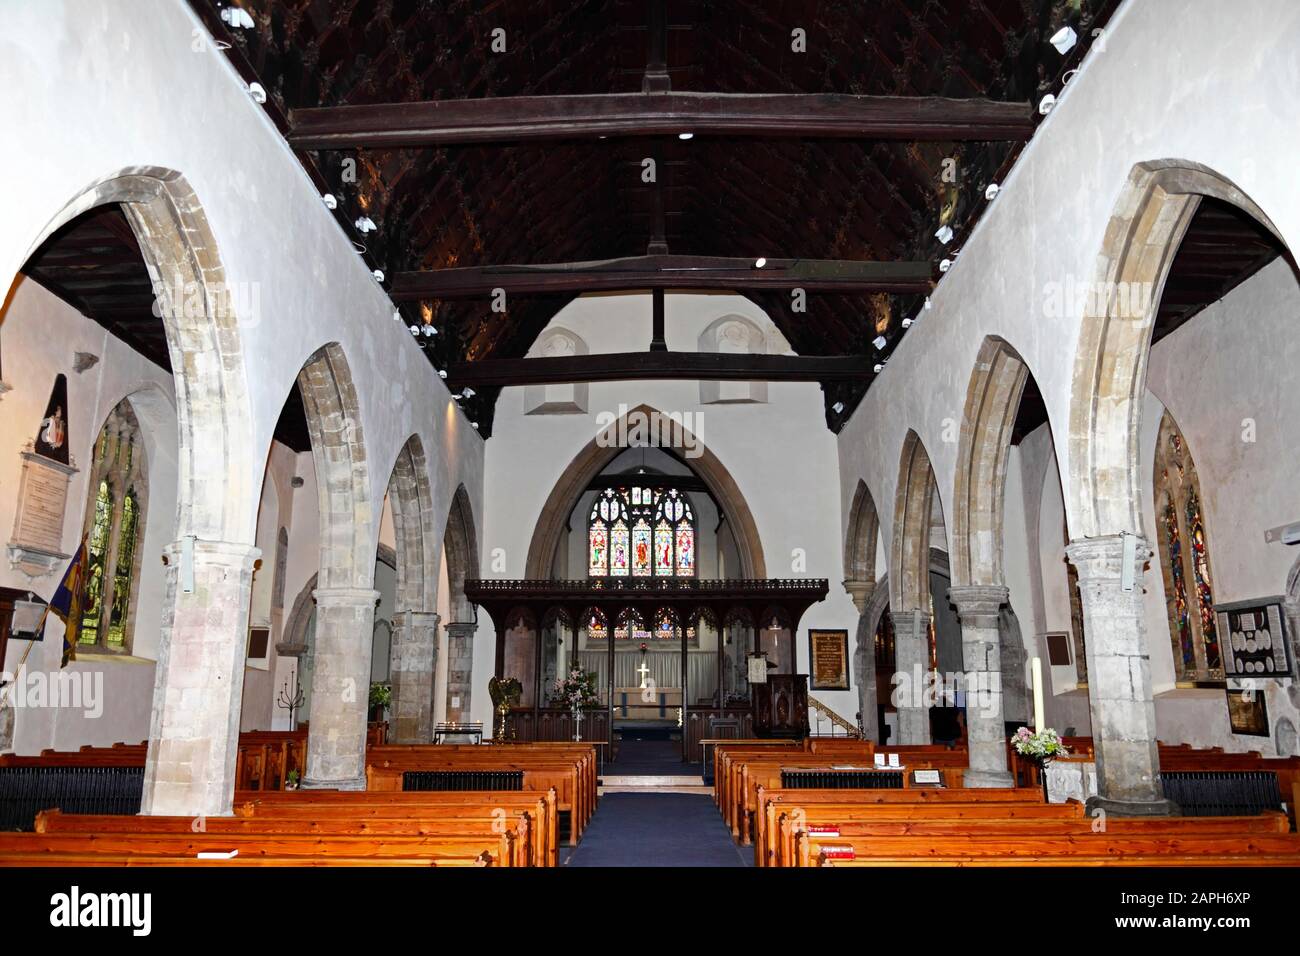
x: 710, y: 273
x: 645, y: 366
x: 515, y: 119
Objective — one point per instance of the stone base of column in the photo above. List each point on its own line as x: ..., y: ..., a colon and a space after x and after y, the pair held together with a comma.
x: 356, y: 783
x: 1132, y: 808
x: 987, y: 779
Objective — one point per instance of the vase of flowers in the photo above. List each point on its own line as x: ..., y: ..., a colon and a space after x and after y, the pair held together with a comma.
x: 576, y: 690
x: 1040, y: 747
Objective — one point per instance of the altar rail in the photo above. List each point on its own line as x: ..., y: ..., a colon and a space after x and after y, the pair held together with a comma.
x: 721, y: 586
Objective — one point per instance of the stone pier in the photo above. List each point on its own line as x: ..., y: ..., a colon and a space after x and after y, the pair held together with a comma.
x: 414, y: 661
x: 977, y: 608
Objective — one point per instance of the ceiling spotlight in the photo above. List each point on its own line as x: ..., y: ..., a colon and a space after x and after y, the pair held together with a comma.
x: 329, y: 201
x: 257, y: 91
x: 237, y: 18
x: 474, y: 425
x: 428, y: 330
x: 944, y: 234
x: 397, y: 316
x: 365, y: 224
x: 1046, y: 103
x: 760, y: 262
x: 879, y: 342
x: 992, y: 190
x: 878, y: 367
x: 685, y: 135
x: 378, y: 274
x: 838, y: 408
x: 467, y: 392
x: 414, y: 330
x: 945, y: 265
x: 442, y: 373
x: 907, y: 323
x: 1064, y: 40
x: 927, y: 303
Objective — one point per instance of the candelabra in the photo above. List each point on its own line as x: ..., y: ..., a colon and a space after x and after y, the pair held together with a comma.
x: 291, y: 703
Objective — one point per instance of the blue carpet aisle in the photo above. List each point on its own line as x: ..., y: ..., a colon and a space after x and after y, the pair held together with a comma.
x: 657, y: 829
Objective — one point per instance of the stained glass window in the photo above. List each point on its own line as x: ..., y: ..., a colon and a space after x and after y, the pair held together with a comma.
x: 92, y: 601
x: 1185, y: 559
x: 641, y: 531
x: 113, y: 531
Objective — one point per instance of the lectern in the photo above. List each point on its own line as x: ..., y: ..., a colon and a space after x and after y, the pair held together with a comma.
x: 780, y: 706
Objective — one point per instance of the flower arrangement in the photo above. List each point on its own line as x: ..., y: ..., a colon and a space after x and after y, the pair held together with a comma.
x: 577, y: 690
x: 1043, y: 745
x: 381, y: 695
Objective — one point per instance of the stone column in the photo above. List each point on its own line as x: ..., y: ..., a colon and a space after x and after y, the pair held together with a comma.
x: 340, y: 693
x: 199, y: 682
x: 912, y: 663
x: 460, y: 669
x: 986, y: 738
x: 414, y: 663
x: 1119, y: 679
x: 868, y: 706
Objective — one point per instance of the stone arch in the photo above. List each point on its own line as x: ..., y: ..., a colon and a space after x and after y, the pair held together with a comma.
x: 599, y: 452
x: 414, y: 529
x: 338, y: 450
x: 190, y: 767
x: 460, y: 539
x: 860, y: 539
x: 992, y: 402
x: 216, y: 464
x: 1141, y: 240
x: 913, y: 504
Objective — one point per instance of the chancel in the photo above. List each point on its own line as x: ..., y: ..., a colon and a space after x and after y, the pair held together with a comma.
x: 623, y: 434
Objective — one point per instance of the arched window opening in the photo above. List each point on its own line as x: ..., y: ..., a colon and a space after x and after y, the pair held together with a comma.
x: 1185, y: 559
x: 114, y: 528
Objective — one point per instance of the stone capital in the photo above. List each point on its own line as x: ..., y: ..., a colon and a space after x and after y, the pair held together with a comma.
x: 978, y: 603
x: 464, y: 629
x: 345, y: 597
x: 861, y: 593
x: 414, y: 619
x: 1101, y: 560
x: 235, y: 555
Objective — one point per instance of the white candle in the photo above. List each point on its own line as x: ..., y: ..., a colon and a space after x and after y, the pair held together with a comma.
x: 1037, y: 668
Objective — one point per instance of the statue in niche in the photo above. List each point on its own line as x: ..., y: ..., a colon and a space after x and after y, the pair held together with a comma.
x: 52, y: 438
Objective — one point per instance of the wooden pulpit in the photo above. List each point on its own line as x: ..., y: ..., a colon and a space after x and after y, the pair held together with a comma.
x: 780, y: 706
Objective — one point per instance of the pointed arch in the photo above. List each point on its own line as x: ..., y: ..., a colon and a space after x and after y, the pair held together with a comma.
x: 1141, y: 241
x: 460, y: 539
x: 913, y: 505
x: 860, y: 538
x: 992, y: 402
x: 414, y: 530
x: 338, y: 451
x: 599, y: 452
x: 216, y: 463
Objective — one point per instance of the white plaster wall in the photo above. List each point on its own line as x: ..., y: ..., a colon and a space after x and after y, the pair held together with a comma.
x: 149, y: 90
x: 40, y: 335
x: 780, y: 454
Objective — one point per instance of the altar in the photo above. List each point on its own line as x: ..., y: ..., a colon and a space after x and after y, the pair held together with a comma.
x: 649, y: 703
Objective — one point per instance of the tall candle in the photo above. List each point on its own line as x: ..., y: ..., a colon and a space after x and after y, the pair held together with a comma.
x: 1038, y: 692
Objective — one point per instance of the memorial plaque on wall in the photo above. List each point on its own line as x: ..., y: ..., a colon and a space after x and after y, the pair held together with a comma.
x: 36, y: 547
x: 828, y: 657
x: 1253, y: 638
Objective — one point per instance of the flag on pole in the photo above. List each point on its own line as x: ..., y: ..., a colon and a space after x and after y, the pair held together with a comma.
x: 66, y: 603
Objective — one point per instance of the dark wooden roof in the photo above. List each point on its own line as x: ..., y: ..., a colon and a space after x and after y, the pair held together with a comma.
x: 564, y: 201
